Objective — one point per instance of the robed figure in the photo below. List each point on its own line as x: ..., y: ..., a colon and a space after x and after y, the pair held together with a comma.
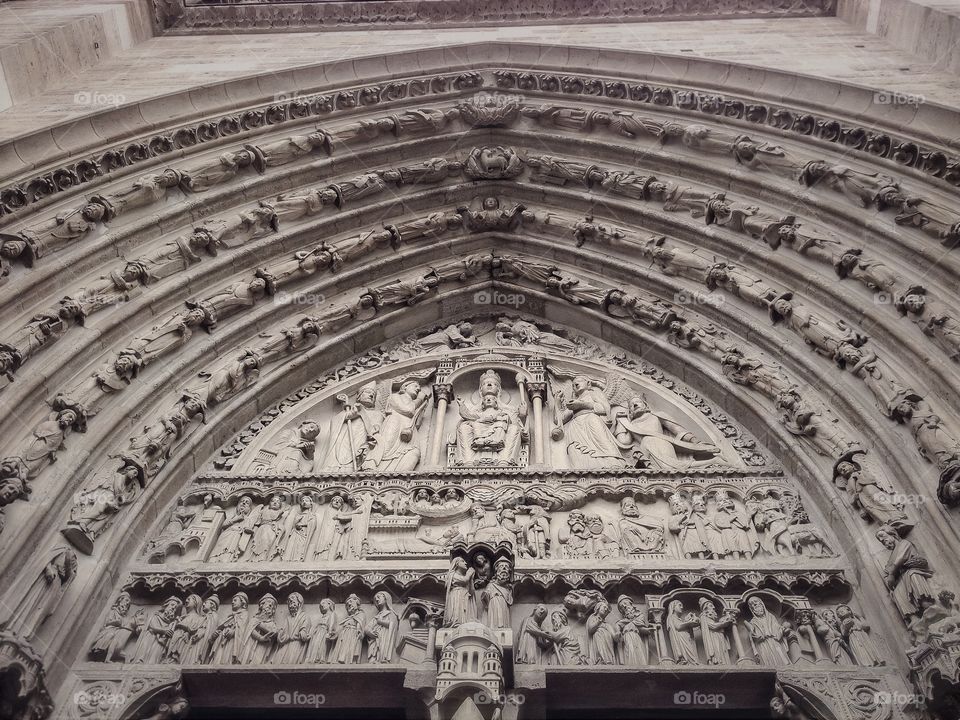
x: 461, y: 604
x: 590, y: 443
x: 398, y: 445
x: 662, y: 443
x: 350, y: 634
x: 768, y: 634
x: 353, y: 432
x: 381, y: 632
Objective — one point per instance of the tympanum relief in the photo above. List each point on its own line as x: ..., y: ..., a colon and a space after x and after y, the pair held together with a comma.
x: 618, y: 627
x: 494, y: 407
x: 315, y: 523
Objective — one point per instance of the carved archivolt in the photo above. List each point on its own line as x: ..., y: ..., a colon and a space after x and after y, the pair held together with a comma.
x: 456, y: 474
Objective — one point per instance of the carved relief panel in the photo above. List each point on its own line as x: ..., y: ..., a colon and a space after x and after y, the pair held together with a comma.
x: 499, y: 408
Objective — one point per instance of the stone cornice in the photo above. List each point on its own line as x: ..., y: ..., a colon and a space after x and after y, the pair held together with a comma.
x: 206, y: 17
x: 816, y: 573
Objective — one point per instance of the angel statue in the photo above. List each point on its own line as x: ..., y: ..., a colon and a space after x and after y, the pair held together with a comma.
x: 660, y: 443
x: 582, y: 416
x: 353, y: 432
x: 491, y: 426
x: 520, y: 333
x: 398, y: 444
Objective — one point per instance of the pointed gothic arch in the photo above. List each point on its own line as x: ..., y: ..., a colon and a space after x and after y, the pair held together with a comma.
x: 790, y: 262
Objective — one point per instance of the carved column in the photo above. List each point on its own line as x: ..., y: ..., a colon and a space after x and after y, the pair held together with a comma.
x: 538, y: 391
x: 442, y: 393
x: 663, y: 650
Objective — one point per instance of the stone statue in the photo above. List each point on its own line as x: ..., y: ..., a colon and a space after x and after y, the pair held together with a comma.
x: 353, y: 432
x: 460, y: 604
x: 281, y: 152
x: 803, y: 418
x: 713, y: 632
x: 660, y: 443
x: 95, y: 507
x: 236, y: 532
x: 225, y: 167
x: 761, y: 155
x: 490, y: 426
x: 398, y: 445
x: 325, y: 629
x: 269, y: 531
x: 350, y: 634
x: 860, y: 188
x: 934, y: 318
x: 185, y: 629
x: 117, y: 631
x: 493, y: 163
x: 230, y: 636
x: 932, y: 219
x: 563, y: 648
x: 638, y: 533
x: 338, y: 535
x: 855, y: 632
x: 429, y: 171
x: 690, y: 528
x: 203, y: 641
x: 382, y: 630
x: 730, y: 529
x: 296, y: 456
x: 155, y: 637
x: 489, y: 214
x: 262, y: 634
x: 497, y: 597
x: 300, y: 531
x: 531, y: 644
x: 452, y: 337
x: 582, y: 421
x: 768, y: 634
x: 146, y: 190
x: 680, y: 633
x: 602, y: 647
x: 566, y: 118
x: 520, y: 333
x: 632, y: 633
x: 49, y: 236
x: 906, y: 573
x: 828, y: 628
x: 870, y: 493
x: 293, y: 636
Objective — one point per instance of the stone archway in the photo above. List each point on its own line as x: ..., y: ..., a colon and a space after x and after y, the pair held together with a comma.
x: 788, y: 266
